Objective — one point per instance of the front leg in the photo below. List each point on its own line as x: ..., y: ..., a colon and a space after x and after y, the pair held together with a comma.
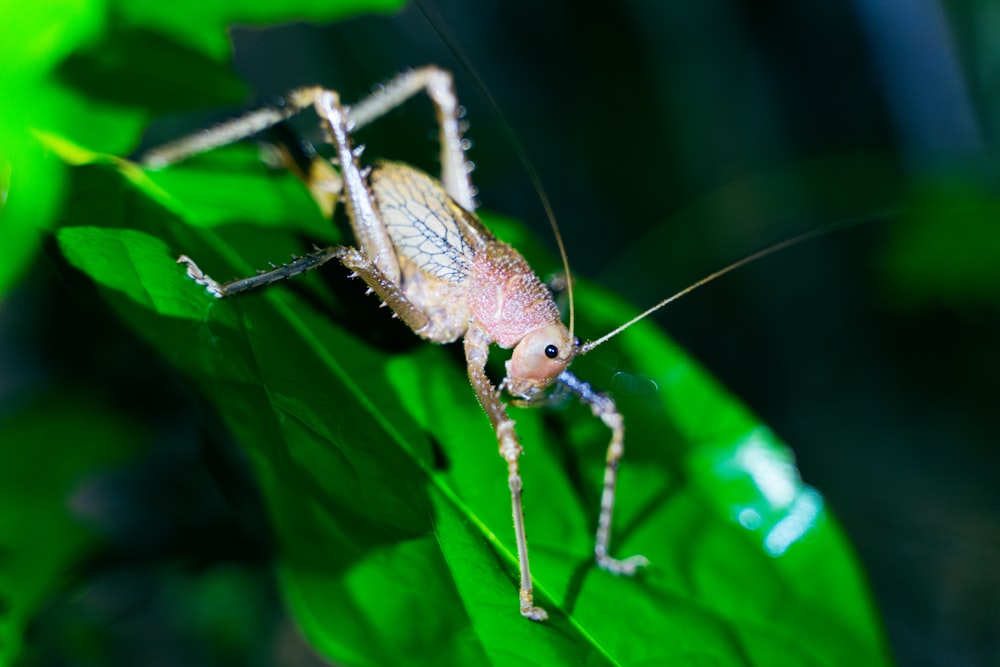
x: 602, y: 406
x: 477, y: 347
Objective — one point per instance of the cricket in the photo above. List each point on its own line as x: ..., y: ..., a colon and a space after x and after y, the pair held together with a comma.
x: 422, y: 250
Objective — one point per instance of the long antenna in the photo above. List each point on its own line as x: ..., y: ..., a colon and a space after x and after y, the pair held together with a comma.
x: 760, y: 254
x: 441, y: 27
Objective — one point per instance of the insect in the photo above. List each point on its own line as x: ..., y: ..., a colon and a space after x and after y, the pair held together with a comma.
x: 423, y: 251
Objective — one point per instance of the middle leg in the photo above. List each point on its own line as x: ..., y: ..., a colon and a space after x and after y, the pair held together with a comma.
x: 361, y: 267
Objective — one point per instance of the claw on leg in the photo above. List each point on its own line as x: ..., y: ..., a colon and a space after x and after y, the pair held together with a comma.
x: 200, y: 277
x: 625, y: 567
x: 604, y: 408
x: 528, y: 608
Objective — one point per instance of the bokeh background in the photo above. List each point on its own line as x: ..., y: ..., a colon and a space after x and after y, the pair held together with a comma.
x: 671, y: 138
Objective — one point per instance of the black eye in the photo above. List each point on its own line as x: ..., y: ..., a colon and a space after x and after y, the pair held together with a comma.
x: 577, y: 341
x: 551, y: 351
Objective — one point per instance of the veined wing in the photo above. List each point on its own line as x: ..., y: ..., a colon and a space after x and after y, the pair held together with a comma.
x: 425, y: 225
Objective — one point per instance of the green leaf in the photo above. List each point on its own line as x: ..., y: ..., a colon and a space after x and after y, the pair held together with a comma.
x: 34, y: 37
x: 155, y: 60
x: 389, y: 503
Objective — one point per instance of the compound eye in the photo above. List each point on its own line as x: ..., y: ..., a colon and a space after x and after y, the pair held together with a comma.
x: 551, y: 351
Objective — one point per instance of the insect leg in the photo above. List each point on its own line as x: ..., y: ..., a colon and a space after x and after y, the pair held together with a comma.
x: 438, y: 85
x: 369, y: 230
x: 387, y: 290
x: 230, y: 131
x: 477, y: 345
x: 602, y: 406
x: 351, y: 258
x: 264, y: 278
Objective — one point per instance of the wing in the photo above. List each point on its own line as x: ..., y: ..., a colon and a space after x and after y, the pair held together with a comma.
x: 424, y: 224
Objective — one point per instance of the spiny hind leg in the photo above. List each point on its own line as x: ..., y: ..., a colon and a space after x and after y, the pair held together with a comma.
x: 439, y: 86
x: 436, y: 82
x: 230, y: 131
x: 369, y: 229
x: 603, y: 407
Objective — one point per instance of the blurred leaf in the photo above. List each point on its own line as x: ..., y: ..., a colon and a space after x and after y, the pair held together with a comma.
x: 948, y: 250
x: 174, y: 78
x: 34, y: 37
x: 388, y: 500
x: 50, y: 449
x: 37, y: 36
x: 224, y: 187
x: 202, y: 25
x: 30, y: 190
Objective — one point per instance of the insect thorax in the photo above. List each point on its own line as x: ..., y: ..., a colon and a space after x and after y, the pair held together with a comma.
x: 507, y: 298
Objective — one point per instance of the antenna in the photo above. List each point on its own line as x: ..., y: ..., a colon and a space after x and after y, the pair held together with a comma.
x: 449, y: 40
x: 760, y: 254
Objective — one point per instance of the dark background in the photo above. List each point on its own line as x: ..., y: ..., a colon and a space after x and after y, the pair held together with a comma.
x: 672, y: 138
